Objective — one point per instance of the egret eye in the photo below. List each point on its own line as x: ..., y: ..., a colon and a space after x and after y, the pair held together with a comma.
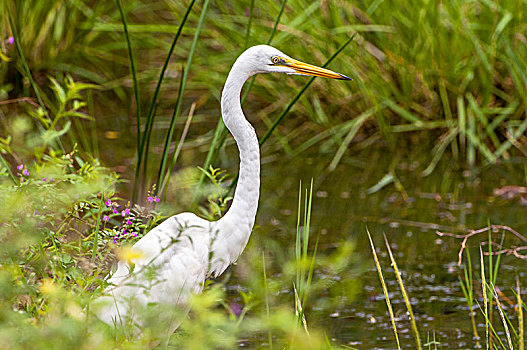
x: 275, y: 59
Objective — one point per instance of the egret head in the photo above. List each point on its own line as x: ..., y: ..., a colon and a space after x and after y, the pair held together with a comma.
x: 267, y: 59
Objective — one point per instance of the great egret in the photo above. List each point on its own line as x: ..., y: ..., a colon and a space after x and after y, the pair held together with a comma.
x: 173, y: 260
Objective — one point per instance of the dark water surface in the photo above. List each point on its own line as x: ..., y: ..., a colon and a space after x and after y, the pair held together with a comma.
x: 408, y: 211
x: 409, y: 214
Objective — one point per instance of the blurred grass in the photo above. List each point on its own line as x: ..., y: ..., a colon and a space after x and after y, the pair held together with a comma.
x: 453, y: 72
x: 449, y: 74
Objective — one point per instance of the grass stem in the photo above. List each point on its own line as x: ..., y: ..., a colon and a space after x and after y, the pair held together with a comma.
x: 170, y: 133
x: 385, y: 291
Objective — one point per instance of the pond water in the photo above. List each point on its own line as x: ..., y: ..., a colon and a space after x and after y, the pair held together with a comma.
x: 346, y: 204
x: 409, y: 215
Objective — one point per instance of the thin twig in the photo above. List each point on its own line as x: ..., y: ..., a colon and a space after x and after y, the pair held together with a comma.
x: 494, y: 228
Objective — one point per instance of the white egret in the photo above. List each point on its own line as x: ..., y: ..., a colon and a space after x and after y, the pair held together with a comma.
x: 173, y: 260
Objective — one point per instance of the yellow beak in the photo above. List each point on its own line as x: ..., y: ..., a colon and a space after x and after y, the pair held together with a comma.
x: 308, y: 69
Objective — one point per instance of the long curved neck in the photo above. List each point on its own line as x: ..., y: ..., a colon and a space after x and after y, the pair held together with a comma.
x: 242, y: 212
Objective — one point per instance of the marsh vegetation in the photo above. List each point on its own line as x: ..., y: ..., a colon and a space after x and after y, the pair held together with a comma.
x: 110, y: 122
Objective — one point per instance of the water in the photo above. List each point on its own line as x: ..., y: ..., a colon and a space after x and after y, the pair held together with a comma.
x: 448, y: 200
x: 353, y: 310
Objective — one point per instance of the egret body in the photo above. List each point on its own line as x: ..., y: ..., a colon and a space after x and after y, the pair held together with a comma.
x: 177, y: 256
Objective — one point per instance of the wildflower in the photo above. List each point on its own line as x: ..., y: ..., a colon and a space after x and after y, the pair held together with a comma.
x: 125, y: 212
x: 124, y: 232
x: 35, y: 212
x: 52, y: 179
x: 22, y: 180
x: 25, y: 172
x: 128, y: 222
x: 236, y: 309
x: 20, y: 167
x: 44, y: 179
x: 108, y: 202
x: 11, y: 40
x: 106, y: 218
x: 152, y: 199
x: 115, y: 211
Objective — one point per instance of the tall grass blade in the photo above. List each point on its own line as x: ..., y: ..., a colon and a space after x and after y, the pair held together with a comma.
x: 502, y: 314
x: 467, y: 286
x: 133, y: 72
x: 249, y: 23
x: 405, y: 296
x: 485, y: 299
x: 271, y: 36
x: 521, y: 345
x: 96, y: 233
x: 385, y: 291
x: 8, y: 169
x: 357, y: 123
x: 23, y: 59
x: 168, y: 140
x: 162, y: 186
x: 266, y: 291
x: 151, y: 110
x: 512, y: 139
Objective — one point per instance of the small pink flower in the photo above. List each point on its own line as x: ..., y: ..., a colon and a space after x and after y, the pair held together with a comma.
x: 125, y: 212
x: 124, y: 232
x: 44, y: 179
x: 25, y: 172
x: 22, y: 180
x: 128, y: 222
x: 11, y: 40
x: 152, y: 199
x: 108, y: 202
x: 115, y: 211
x: 20, y: 167
x: 106, y: 218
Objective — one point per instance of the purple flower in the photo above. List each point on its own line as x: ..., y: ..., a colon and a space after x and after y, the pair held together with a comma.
x: 152, y: 199
x: 236, y: 309
x: 106, y: 218
x: 115, y: 211
x: 11, y: 40
x: 35, y: 212
x: 44, y: 179
x: 128, y: 222
x: 22, y: 180
x: 108, y: 202
x: 125, y: 212
x: 135, y: 234
x: 25, y: 172
x: 52, y: 179
x: 20, y: 167
x: 124, y: 232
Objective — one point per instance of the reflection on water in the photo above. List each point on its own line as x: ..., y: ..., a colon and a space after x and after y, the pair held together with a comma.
x: 408, y: 209
x: 409, y: 215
